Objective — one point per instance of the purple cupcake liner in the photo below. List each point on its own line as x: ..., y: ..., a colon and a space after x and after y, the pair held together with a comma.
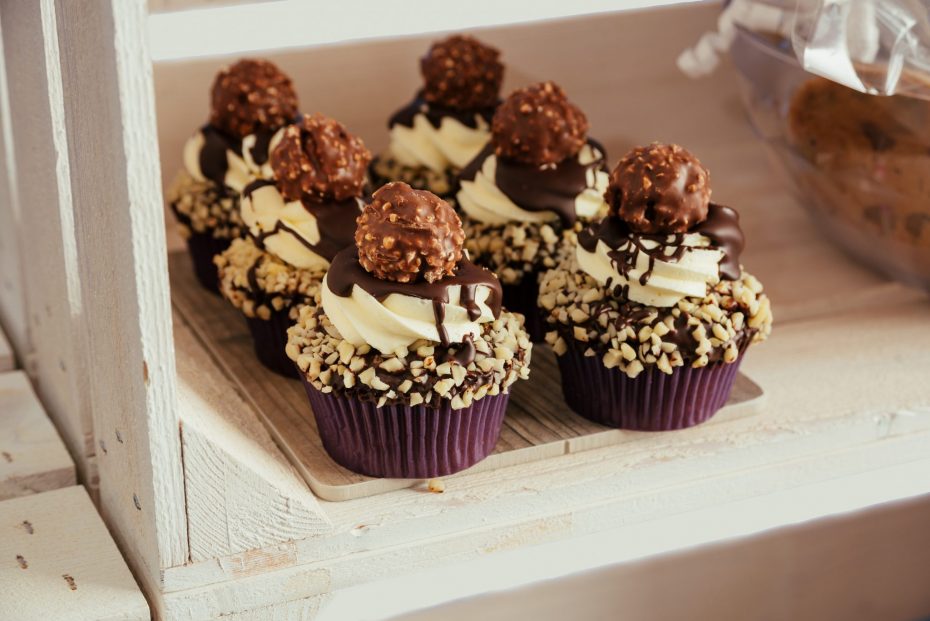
x: 404, y: 442
x: 523, y: 298
x: 269, y: 337
x: 653, y: 401
x: 203, y: 247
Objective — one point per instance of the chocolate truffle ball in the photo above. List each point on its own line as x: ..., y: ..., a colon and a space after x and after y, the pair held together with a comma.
x: 538, y: 125
x: 406, y: 234
x: 462, y: 73
x: 658, y: 189
x: 252, y: 95
x: 318, y: 159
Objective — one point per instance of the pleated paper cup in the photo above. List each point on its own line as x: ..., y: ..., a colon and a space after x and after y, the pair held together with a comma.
x: 406, y: 442
x: 653, y: 400
x: 269, y: 338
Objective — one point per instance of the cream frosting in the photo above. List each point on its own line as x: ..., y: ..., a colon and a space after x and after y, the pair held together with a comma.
x: 392, y: 325
x: 240, y: 170
x: 287, y: 228
x: 259, y: 171
x: 483, y: 201
x: 451, y: 145
x: 666, y: 282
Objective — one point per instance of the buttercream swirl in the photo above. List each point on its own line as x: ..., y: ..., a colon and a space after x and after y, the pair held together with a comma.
x: 660, y: 270
x: 450, y: 145
x: 210, y: 155
x: 306, y: 236
x: 390, y: 316
x: 495, y: 191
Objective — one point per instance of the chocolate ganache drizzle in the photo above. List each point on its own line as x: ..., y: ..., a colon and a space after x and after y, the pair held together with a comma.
x: 345, y: 272
x: 213, y: 159
x: 542, y: 188
x: 335, y: 221
x: 721, y: 227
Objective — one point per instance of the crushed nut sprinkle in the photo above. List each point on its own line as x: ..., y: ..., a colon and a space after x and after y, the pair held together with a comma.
x: 516, y: 249
x: 201, y: 207
x: 425, y: 374
x: 629, y: 336
x: 258, y: 283
x: 386, y: 168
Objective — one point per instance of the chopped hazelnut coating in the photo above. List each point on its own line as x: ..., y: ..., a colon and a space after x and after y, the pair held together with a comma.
x: 202, y: 207
x: 318, y: 159
x: 584, y: 315
x: 258, y: 283
x: 538, y: 125
x: 405, y: 234
x: 426, y: 373
x: 252, y: 95
x: 462, y: 73
x: 659, y: 188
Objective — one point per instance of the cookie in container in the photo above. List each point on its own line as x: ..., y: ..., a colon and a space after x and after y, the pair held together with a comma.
x: 527, y: 194
x: 297, y: 220
x: 409, y: 359
x: 652, y: 313
x: 251, y: 101
x: 448, y: 122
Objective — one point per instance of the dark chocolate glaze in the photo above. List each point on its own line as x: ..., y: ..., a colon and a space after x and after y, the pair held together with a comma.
x: 335, y: 221
x: 346, y: 272
x: 435, y: 113
x: 541, y: 188
x: 260, y: 152
x: 213, y: 160
x: 721, y: 227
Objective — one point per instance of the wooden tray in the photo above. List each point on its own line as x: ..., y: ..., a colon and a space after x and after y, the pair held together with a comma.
x: 538, y: 425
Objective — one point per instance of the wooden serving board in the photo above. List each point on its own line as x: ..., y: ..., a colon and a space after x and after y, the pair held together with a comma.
x: 538, y: 425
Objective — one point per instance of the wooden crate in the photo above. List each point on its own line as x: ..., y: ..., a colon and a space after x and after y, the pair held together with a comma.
x: 209, y: 507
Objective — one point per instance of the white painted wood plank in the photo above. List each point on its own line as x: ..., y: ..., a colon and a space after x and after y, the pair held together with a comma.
x: 7, y: 357
x: 57, y: 561
x: 242, y: 493
x: 32, y: 456
x: 126, y: 316
x: 12, y: 292
x: 53, y: 297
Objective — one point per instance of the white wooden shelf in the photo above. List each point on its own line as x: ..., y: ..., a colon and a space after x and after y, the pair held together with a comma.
x: 57, y: 561
x: 32, y: 456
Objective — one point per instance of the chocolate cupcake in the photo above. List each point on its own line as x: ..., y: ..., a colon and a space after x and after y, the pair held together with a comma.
x: 408, y: 360
x: 538, y: 182
x: 448, y: 122
x: 296, y: 220
x: 651, y: 315
x: 250, y: 102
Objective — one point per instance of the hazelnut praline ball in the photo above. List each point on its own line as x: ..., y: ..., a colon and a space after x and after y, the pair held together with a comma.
x: 659, y: 189
x: 318, y: 159
x: 252, y: 95
x: 406, y: 235
x: 462, y: 73
x: 538, y: 125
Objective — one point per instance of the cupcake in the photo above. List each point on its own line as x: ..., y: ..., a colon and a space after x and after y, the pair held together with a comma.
x: 448, y: 122
x: 537, y: 183
x: 408, y: 360
x: 296, y: 220
x: 652, y: 314
x: 250, y: 102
